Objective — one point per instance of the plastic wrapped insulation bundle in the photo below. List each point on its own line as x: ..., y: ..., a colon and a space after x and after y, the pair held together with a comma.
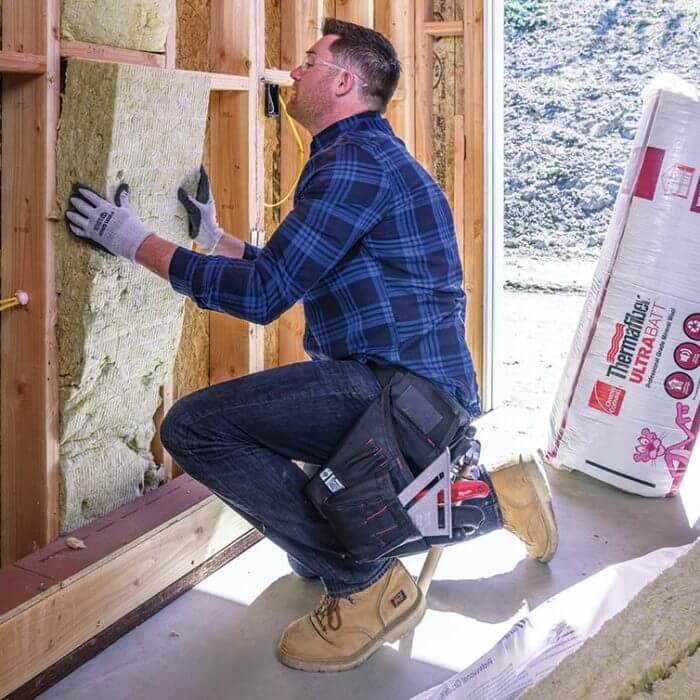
x: 626, y: 411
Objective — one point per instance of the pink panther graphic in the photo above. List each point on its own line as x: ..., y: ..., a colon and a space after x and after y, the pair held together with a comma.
x: 650, y: 447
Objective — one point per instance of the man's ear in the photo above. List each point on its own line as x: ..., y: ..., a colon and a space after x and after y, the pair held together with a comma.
x: 344, y: 84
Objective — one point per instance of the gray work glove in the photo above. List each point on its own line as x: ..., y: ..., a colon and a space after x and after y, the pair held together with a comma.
x: 201, y: 212
x: 114, y: 228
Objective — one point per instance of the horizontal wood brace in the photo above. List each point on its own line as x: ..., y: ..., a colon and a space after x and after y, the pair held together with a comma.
x: 279, y: 77
x: 443, y: 29
x: 225, y: 82
x: 15, y: 62
x: 97, y: 52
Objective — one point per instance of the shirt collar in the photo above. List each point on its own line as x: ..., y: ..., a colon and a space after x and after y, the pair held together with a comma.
x: 331, y: 133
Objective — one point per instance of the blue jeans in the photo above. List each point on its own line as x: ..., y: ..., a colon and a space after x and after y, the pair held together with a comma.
x: 239, y: 438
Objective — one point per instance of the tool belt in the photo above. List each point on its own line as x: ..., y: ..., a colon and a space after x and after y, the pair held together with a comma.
x: 381, y: 488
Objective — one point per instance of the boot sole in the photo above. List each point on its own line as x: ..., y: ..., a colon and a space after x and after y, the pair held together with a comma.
x: 537, y: 479
x: 401, y: 627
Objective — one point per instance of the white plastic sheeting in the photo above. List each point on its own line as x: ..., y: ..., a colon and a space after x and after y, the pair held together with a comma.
x: 539, y: 640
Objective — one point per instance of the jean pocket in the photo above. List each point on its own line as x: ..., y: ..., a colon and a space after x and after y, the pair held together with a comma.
x: 368, y: 519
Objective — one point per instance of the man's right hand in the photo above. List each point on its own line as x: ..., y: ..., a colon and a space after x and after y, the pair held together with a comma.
x: 201, y: 212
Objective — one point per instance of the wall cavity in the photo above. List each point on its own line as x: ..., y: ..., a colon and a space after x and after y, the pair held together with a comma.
x: 119, y: 325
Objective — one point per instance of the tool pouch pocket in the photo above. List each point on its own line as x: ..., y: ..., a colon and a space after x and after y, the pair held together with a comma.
x: 426, y: 419
x: 368, y: 518
x: 399, y: 434
x: 356, y: 490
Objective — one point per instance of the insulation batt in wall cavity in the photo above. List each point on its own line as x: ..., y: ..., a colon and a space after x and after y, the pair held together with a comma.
x: 130, y: 24
x: 628, y: 407
x: 119, y: 325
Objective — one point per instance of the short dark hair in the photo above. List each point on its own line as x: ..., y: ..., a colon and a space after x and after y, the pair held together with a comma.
x: 372, y: 54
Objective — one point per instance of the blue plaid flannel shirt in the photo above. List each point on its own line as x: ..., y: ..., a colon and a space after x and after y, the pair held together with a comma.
x: 370, y: 249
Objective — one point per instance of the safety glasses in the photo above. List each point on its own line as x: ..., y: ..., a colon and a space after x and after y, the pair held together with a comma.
x: 310, y: 60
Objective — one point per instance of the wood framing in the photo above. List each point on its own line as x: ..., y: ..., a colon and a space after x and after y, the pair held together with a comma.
x: 222, y: 83
x: 394, y: 19
x: 356, y: 11
x: 281, y: 77
x: 29, y: 464
x: 167, y: 391
x: 105, y: 581
x: 458, y: 204
x: 236, y: 31
x: 29, y: 385
x: 16, y: 62
x: 55, y: 600
x: 441, y: 29
x: 97, y: 52
x: 468, y: 202
x: 474, y: 181
x: 103, y: 639
x: 424, y: 85
x: 301, y: 22
x: 256, y: 146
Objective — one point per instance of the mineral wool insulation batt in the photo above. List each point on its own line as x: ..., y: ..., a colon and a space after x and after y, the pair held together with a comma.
x: 119, y: 325
x: 627, y: 407
x: 128, y: 24
x: 648, y: 650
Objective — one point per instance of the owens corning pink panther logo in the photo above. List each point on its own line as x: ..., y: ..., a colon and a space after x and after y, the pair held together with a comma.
x: 650, y: 447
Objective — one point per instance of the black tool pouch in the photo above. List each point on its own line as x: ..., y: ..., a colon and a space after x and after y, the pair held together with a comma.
x: 426, y: 419
x: 400, y: 433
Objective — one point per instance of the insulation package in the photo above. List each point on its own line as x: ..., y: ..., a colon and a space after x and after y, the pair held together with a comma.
x: 119, y: 324
x: 141, y: 25
x: 626, y: 411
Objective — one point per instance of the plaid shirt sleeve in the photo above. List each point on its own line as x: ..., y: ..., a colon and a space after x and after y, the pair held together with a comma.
x: 342, y: 196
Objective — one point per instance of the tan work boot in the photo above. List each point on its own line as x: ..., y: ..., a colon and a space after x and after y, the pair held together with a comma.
x: 342, y: 632
x: 525, y: 501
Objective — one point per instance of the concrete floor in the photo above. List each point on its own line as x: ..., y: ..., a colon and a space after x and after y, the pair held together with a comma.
x: 217, y: 641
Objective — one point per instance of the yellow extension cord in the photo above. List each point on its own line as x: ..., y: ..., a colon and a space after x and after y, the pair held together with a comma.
x: 300, y: 145
x: 20, y: 299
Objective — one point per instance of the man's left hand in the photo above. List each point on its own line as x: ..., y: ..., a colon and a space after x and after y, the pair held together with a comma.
x: 114, y: 227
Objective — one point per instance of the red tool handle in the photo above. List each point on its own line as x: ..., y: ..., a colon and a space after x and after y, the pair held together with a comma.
x: 465, y: 490
x: 468, y: 489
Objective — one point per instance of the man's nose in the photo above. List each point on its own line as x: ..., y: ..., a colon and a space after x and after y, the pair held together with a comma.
x: 296, y: 73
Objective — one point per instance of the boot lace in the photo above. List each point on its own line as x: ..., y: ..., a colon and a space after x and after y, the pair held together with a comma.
x: 328, y: 613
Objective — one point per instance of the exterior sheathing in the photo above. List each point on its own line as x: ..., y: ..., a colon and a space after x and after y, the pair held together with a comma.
x: 119, y: 325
